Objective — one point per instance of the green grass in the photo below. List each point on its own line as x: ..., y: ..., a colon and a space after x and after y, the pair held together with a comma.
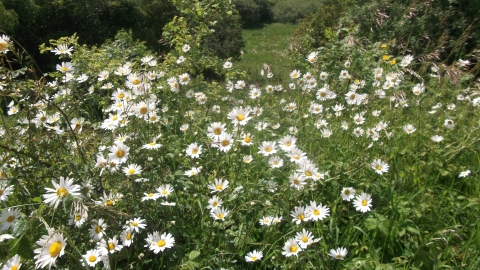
x: 268, y: 45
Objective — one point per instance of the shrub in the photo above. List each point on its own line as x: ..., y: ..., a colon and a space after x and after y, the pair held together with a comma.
x: 292, y: 11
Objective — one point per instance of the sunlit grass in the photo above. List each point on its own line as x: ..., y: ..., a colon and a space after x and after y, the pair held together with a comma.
x: 267, y: 45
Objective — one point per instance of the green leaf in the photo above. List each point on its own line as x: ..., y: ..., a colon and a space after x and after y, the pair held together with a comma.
x: 193, y: 254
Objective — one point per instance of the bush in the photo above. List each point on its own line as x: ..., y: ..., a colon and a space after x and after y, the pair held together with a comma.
x: 254, y: 12
x: 292, y: 11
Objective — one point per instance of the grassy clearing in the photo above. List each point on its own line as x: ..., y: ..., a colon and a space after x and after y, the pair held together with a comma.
x: 267, y: 45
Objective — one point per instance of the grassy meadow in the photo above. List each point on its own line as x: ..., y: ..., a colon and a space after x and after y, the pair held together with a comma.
x: 269, y: 45
x: 357, y: 159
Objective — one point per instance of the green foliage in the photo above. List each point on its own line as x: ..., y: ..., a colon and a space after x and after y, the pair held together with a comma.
x: 292, y: 11
x: 432, y: 30
x: 120, y: 123
x: 254, y: 12
x: 8, y: 19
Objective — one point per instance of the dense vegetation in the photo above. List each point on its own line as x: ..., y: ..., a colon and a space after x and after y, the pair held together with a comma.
x: 352, y: 152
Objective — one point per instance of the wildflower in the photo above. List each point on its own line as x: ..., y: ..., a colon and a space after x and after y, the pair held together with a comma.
x: 97, y: 229
x: 193, y: 171
x: 253, y: 256
x: 463, y: 63
x: 409, y: 129
x: 227, y: 65
x: 247, y: 158
x: 194, y: 150
x: 127, y: 237
x: 246, y: 139
x: 308, y: 170
x: 150, y: 196
x: 157, y: 242
x: 13, y: 263
x: 297, y: 181
x: 305, y: 238
x: 78, y: 218
x: 92, y: 257
x: 165, y: 190
x: 9, y: 218
x: 51, y: 247
x: 418, y: 89
x: 437, y: 138
x: 152, y: 145
x: 323, y: 75
x: 218, y: 186
x: 379, y: 166
x: 299, y: 215
x: 118, y: 153
x: 132, y: 169
x: 339, y: 253
x: 358, y: 119
x: 312, y: 57
x: 215, y: 130
x: 267, y: 148
x: 5, y: 43
x: 214, y: 202
x: 348, y: 193
x: 5, y: 191
x: 136, y: 224
x: 239, y: 116
x: 317, y: 212
x: 65, y: 67
x: 275, y: 162
x: 449, y: 124
x: 295, y: 74
x: 59, y: 194
x: 224, y: 142
x: 291, y: 247
x: 363, y: 202
x: 219, y: 213
x: 464, y: 174
x: 266, y: 221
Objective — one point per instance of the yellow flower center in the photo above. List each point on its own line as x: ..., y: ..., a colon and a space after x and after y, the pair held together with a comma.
x: 288, y: 144
x: 219, y: 187
x: 338, y: 256
x: 98, y: 229
x: 10, y: 218
x: 308, y: 173
x: 225, y: 142
x: 217, y: 131
x: 120, y: 153
x: 254, y: 258
x: 347, y: 192
x: 1, y: 192
x: 143, y: 110
x: 301, y: 217
x: 323, y: 94
x: 194, y: 151
x: 316, y: 212
x: 128, y: 236
x: 62, y: 192
x: 64, y: 68
x: 378, y: 167
x: 131, y: 171
x: 121, y: 95
x: 15, y: 267
x: 247, y: 139
x: 364, y: 202
x: 215, y: 204
x: 164, y: 192
x: 134, y: 224
x: 296, y: 182
x: 220, y: 216
x: 293, y: 249
x: 150, y: 194
x: 55, y: 249
x: 161, y: 243
x: 136, y: 81
x: 111, y: 246
x: 92, y: 258
x: 109, y: 203
x: 268, y: 149
x: 305, y: 239
x: 78, y: 217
